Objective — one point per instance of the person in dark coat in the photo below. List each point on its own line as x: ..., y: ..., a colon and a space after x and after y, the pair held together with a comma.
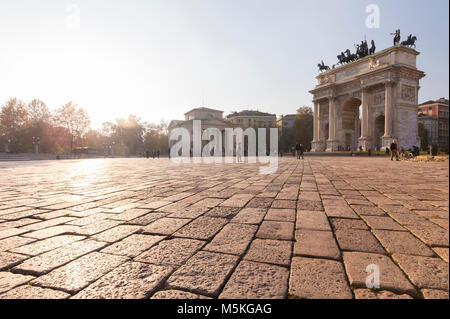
x: 394, y: 150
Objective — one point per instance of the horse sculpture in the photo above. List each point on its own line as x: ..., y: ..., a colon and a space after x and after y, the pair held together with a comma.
x: 410, y: 42
x: 350, y: 56
x: 341, y: 58
x: 323, y: 67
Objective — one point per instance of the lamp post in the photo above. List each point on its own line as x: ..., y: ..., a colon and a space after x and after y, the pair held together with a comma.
x: 6, y: 143
x: 36, y: 142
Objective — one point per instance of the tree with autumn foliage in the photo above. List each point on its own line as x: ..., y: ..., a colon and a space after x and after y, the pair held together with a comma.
x: 73, y: 118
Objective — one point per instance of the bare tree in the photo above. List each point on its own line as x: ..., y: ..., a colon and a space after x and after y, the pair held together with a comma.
x: 38, y: 112
x: 13, y: 115
x: 74, y: 119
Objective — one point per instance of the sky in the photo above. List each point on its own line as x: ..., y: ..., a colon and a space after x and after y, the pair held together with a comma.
x: 158, y: 59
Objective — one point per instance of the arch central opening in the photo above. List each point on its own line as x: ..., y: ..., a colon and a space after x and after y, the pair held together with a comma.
x: 351, y: 123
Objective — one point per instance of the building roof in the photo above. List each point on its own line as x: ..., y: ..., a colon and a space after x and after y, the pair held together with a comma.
x: 249, y: 113
x: 442, y: 100
x: 288, y: 116
x: 177, y: 123
x: 203, y: 109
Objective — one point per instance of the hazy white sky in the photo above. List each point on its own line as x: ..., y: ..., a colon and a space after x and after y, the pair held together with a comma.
x: 159, y: 58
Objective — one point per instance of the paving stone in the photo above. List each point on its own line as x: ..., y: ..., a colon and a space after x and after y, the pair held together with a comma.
x: 232, y: 239
x: 431, y: 235
x: 434, y: 294
x: 260, y: 202
x: 116, y: 233
x: 223, y: 212
x: 249, y: 216
x: 97, y: 227
x: 208, y: 202
x: 440, y: 222
x: 54, y: 214
x: 146, y: 219
x: 171, y: 252
x: 402, y: 242
x: 133, y: 245
x: 433, y: 213
x: 9, y: 280
x: 13, y: 242
x: 52, y: 231
x: 131, y: 280
x: 41, y: 246
x: 89, y: 219
x: 386, y: 223
x: 9, y: 232
x: 252, y: 280
x: 22, y: 214
x: 395, y: 209
x: 368, y: 210
x: 312, y: 278
x: 177, y: 294
x: 280, y: 214
x: 391, y: 277
x: 189, y: 212
x: 18, y: 223
x: 315, y: 220
x: 203, y: 228
x: 309, y: 205
x: 358, y: 240
x: 288, y: 204
x: 52, y: 259
x: 204, y: 273
x: 409, y: 219
x: 340, y: 211
x: 79, y: 273
x: 270, y: 251
x: 384, y: 294
x: 316, y: 243
x: 345, y: 223
x: 165, y: 226
x: 312, y: 196
x: 33, y: 292
x: 48, y: 223
x: 8, y: 260
x: 424, y: 272
x: 237, y: 200
x: 442, y: 252
x: 276, y: 230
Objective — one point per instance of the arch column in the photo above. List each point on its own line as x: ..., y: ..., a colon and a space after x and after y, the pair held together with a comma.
x: 365, y: 139
x: 317, y: 144
x: 387, y: 137
x: 332, y: 143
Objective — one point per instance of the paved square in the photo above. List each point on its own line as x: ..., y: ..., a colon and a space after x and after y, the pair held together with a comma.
x: 147, y: 228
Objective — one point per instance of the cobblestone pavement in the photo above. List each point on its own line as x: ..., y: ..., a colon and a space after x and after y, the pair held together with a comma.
x: 138, y: 228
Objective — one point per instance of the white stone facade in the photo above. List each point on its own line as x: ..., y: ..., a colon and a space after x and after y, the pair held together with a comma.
x: 368, y: 103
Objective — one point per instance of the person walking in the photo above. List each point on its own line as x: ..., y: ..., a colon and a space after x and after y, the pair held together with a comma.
x: 157, y: 153
x: 239, y: 152
x: 301, y: 151
x: 394, y: 150
x: 297, y: 150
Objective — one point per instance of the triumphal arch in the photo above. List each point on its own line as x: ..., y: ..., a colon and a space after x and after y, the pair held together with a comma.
x: 368, y: 103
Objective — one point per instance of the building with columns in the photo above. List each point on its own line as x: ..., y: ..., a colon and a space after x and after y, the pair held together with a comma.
x: 368, y: 103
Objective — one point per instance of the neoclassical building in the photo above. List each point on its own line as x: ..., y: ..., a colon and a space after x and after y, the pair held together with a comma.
x: 368, y: 103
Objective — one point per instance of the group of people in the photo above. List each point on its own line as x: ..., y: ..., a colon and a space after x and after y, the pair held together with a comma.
x: 415, y: 151
x: 154, y: 154
x: 299, y: 150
